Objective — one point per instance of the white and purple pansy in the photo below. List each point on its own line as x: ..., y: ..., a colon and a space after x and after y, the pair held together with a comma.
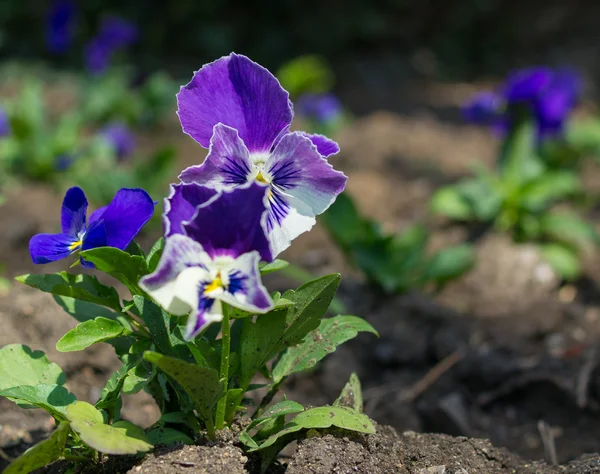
x: 114, y: 225
x: 214, y: 259
x: 238, y: 110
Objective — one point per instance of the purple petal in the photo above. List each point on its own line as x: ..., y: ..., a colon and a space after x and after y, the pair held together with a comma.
x: 5, y: 128
x: 245, y: 289
x: 97, y: 57
x: 97, y: 214
x: 209, y: 311
x: 322, y: 108
x: 125, y: 216
x: 526, y: 84
x: 234, y: 223
x: 228, y: 162
x: 120, y: 139
x: 239, y: 93
x: 181, y: 205
x: 46, y: 248
x: 298, y: 169
x: 117, y: 32
x: 325, y: 146
x: 74, y: 209
x: 94, y: 237
x: 59, y: 26
x: 483, y: 108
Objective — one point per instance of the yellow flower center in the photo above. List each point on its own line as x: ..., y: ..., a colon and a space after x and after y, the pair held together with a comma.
x: 260, y: 178
x: 214, y: 285
x: 75, y: 245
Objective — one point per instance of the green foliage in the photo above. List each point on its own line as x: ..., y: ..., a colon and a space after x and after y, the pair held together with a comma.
x: 19, y: 365
x: 396, y: 263
x: 43, y: 453
x: 89, y: 333
x: 122, y: 437
x: 53, y: 398
x: 351, y: 395
x: 303, y: 74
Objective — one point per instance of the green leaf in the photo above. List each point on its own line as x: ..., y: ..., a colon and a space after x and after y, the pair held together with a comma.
x: 583, y: 135
x: 275, y: 331
x: 42, y: 454
x: 563, y: 259
x: 322, y: 341
x: 83, y: 310
x: 234, y: 398
x: 19, y: 365
x: 81, y: 287
x: 200, y: 383
x: 138, y: 378
x: 274, y: 266
x: 91, y: 332
x: 286, y: 407
x: 323, y: 417
x: 154, y: 255
x: 275, y: 413
x: 518, y: 159
x: 121, y: 437
x: 482, y: 196
x: 351, y: 395
x: 52, y: 398
x: 569, y: 228
x: 449, y: 263
x: 167, y: 436
x: 449, y: 202
x: 126, y: 268
x: 548, y: 188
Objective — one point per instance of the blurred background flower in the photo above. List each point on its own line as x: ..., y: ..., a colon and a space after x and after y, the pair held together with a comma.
x: 4, y: 124
x: 60, y: 26
x: 120, y: 138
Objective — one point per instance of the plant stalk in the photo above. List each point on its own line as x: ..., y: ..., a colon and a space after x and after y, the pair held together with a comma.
x: 224, y: 372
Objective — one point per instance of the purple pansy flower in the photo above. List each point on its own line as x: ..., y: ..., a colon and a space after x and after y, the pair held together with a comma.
x: 238, y: 110
x: 322, y: 108
x: 120, y: 138
x: 59, y: 26
x: 548, y: 95
x: 115, y: 33
x: 5, y: 128
x: 215, y: 258
x: 114, y: 225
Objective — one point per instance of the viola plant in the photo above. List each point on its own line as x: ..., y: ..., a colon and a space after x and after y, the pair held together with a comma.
x: 198, y: 330
x: 393, y: 263
x: 531, y: 114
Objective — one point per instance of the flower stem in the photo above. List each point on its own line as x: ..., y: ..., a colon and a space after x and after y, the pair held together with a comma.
x: 224, y: 372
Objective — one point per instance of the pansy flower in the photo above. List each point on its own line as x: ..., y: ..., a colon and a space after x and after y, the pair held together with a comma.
x: 120, y: 139
x: 59, y: 26
x: 115, y: 33
x: 114, y: 225
x: 215, y: 259
x: 322, y: 108
x: 239, y: 111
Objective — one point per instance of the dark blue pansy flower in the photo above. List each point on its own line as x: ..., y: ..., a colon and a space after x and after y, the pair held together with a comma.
x: 5, y: 128
x: 115, y: 33
x: 213, y: 255
x: 120, y: 138
x: 239, y: 111
x: 547, y: 95
x: 322, y: 108
x: 114, y: 225
x: 60, y: 26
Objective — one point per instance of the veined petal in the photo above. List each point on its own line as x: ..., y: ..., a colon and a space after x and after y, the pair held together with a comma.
x: 46, y: 248
x: 297, y: 169
x: 210, y: 311
x: 94, y: 237
x: 181, y: 205
x: 180, y: 253
x: 245, y: 290
x: 325, y: 146
x: 239, y: 93
x: 288, y: 218
x: 228, y: 162
x: 74, y: 209
x: 234, y: 223
x: 125, y: 216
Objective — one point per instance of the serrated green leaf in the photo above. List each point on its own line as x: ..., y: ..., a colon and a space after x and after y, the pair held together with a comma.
x: 449, y: 263
x: 19, y: 365
x: 351, y: 395
x: 275, y: 331
x: 43, y: 453
x: 88, y: 333
x: 274, y: 266
x: 563, y: 259
x: 167, y: 436
x: 80, y: 287
x: 121, y: 437
x: 126, y: 268
x: 322, y: 341
x: 200, y: 383
x: 52, y: 398
x: 323, y: 417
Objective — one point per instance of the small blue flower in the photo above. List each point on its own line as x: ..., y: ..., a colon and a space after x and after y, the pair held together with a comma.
x: 322, y: 108
x: 114, y: 225
x: 5, y: 128
x: 59, y: 26
x: 120, y: 138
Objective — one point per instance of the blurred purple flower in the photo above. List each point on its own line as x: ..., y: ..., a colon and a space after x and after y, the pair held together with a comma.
x: 115, y: 33
x: 63, y: 162
x: 4, y: 124
x: 547, y: 95
x: 120, y: 138
x: 60, y: 26
x: 322, y: 108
